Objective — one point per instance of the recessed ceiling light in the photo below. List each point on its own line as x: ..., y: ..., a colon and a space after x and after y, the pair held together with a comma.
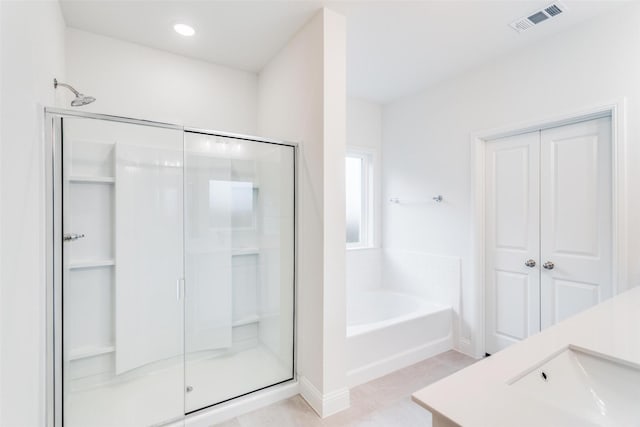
x: 184, y: 30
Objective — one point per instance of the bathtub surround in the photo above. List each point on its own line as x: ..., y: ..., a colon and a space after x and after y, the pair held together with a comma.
x: 434, y: 278
x: 401, y: 305
x: 364, y: 270
x: 401, y: 309
x: 427, y: 136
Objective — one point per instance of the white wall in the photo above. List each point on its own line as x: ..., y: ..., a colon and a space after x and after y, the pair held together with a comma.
x: 335, y: 129
x: 302, y: 99
x: 364, y: 130
x: 31, y: 55
x: 136, y: 81
x: 426, y: 147
x: 364, y: 123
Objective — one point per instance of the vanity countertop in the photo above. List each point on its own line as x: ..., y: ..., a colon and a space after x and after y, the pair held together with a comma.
x: 480, y: 395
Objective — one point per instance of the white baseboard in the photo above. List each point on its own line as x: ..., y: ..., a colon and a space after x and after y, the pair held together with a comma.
x: 234, y: 408
x: 324, y: 404
x: 390, y: 364
x: 465, y: 346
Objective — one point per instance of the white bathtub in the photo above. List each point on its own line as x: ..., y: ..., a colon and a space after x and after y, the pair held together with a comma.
x: 387, y: 331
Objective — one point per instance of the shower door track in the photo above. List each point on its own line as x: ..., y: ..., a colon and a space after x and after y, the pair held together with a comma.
x: 61, y: 112
x: 52, y: 139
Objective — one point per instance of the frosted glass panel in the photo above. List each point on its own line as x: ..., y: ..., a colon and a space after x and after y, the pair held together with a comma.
x: 239, y: 235
x: 354, y: 195
x: 122, y: 318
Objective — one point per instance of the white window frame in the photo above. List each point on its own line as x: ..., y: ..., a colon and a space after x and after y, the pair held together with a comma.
x: 369, y: 159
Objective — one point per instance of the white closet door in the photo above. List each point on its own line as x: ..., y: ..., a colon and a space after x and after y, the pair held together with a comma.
x: 512, y: 238
x: 575, y: 218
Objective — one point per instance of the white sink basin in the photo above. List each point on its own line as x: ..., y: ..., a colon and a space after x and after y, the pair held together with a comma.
x: 591, y: 386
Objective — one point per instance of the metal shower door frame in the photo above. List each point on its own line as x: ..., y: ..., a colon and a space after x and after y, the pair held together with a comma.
x: 52, y: 139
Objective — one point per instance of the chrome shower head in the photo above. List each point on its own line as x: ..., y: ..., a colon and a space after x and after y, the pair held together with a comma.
x: 80, y: 99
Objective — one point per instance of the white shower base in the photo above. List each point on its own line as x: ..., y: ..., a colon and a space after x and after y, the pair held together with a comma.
x: 212, y: 378
x: 387, y: 331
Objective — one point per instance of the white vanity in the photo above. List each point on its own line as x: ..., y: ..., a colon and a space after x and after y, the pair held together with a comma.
x: 584, y: 371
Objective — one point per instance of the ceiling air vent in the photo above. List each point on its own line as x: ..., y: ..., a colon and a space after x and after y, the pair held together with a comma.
x: 538, y: 16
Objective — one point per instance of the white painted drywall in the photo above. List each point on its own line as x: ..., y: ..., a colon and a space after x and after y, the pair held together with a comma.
x: 32, y: 54
x: 364, y: 130
x: 426, y: 137
x: 364, y: 123
x: 135, y: 81
x: 335, y: 129
x: 302, y: 98
x: 290, y: 108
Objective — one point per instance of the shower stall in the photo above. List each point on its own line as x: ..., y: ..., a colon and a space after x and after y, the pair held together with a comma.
x: 171, y: 269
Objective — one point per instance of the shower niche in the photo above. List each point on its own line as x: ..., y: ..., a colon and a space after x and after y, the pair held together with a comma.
x: 88, y: 191
x: 173, y: 269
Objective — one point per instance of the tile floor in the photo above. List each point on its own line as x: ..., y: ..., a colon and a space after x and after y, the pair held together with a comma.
x: 385, y: 402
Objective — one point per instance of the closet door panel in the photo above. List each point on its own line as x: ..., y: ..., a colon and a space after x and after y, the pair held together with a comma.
x: 575, y: 208
x: 512, y: 288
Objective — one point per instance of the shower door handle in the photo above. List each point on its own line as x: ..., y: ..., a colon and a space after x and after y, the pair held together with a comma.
x: 72, y: 237
x: 179, y: 289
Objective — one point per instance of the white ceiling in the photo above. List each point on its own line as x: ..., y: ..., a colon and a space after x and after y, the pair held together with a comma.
x: 394, y: 48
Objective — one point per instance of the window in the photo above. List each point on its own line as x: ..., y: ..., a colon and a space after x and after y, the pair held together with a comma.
x: 359, y: 198
x: 232, y: 205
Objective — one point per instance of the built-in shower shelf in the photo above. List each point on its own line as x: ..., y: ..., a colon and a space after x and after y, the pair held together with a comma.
x: 246, y: 320
x: 92, y: 264
x: 90, y: 351
x: 245, y: 251
x: 92, y: 179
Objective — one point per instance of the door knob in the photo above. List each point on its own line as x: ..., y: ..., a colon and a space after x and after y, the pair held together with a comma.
x: 548, y: 265
x: 530, y: 263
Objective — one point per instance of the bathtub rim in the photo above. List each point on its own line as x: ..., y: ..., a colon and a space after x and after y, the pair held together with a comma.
x: 425, y: 309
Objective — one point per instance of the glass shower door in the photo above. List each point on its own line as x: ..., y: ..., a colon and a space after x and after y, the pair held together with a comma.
x: 122, y: 303
x: 239, y: 267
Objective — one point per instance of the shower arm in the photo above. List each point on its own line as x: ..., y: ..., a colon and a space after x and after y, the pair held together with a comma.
x: 56, y: 84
